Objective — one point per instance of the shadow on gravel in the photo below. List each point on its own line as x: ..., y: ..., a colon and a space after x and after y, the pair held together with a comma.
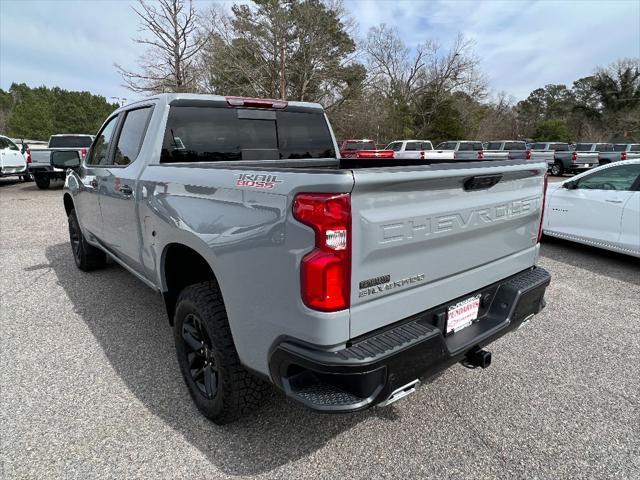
x: 604, y: 262
x: 129, y: 321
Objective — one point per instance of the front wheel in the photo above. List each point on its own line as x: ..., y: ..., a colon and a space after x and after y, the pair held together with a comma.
x: 42, y: 181
x: 557, y: 169
x: 219, y: 385
x: 87, y: 257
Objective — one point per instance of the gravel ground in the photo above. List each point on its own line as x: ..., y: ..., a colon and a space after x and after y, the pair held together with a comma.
x: 90, y: 386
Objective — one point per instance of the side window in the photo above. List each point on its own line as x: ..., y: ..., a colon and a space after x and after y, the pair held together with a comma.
x: 620, y: 177
x: 13, y: 146
x: 395, y: 146
x: 100, y: 148
x: 4, y: 143
x: 131, y: 136
x: 427, y: 146
x: 411, y: 146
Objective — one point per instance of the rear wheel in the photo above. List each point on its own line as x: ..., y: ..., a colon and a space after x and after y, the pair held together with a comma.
x: 87, y: 257
x: 42, y: 181
x: 557, y: 169
x: 220, y: 386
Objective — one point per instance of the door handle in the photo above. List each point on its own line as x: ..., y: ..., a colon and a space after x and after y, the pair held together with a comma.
x: 613, y: 201
x: 126, y: 190
x: 94, y: 183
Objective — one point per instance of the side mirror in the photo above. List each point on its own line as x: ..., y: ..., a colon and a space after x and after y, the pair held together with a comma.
x: 570, y: 185
x: 65, y: 159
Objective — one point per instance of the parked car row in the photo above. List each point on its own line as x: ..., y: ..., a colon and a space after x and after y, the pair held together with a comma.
x: 560, y: 157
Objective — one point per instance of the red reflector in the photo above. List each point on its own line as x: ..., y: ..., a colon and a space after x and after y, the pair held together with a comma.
x: 83, y: 152
x: 375, y: 154
x: 623, y: 156
x: 256, y: 102
x: 528, y: 156
x: 574, y: 157
x: 325, y: 272
x: 480, y: 155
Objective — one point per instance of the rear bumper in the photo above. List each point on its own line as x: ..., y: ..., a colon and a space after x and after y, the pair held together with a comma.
x: 12, y: 171
x: 372, y: 367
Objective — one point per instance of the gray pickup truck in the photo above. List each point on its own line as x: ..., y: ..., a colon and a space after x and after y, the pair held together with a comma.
x: 570, y: 160
x: 620, y: 151
x: 280, y: 262
x: 61, y: 148
x: 515, y: 149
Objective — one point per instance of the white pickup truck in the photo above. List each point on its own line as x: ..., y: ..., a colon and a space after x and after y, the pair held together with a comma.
x: 469, y: 150
x: 417, y: 149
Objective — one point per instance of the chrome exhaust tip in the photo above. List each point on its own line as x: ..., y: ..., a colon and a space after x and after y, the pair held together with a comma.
x: 400, y: 393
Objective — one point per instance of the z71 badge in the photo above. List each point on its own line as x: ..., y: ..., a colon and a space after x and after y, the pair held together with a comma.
x: 257, y: 180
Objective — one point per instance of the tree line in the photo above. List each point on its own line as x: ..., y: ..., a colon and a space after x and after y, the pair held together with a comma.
x: 37, y: 113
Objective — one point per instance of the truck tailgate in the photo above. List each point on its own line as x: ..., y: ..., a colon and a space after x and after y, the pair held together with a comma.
x: 41, y: 157
x: 421, y: 238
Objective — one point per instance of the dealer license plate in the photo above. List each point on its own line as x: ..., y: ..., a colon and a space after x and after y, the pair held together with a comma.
x: 462, y: 314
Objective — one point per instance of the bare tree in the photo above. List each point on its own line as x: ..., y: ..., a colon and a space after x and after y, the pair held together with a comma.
x: 173, y: 40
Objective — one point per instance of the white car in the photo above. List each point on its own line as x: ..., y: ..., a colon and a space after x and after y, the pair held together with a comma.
x: 600, y: 207
x: 12, y: 161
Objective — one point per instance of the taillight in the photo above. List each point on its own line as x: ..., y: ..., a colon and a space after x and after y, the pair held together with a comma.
x: 574, y: 157
x: 544, y: 198
x: 623, y: 155
x: 528, y: 155
x: 480, y: 155
x: 325, y: 272
x: 375, y: 154
x: 29, y: 155
x: 83, y: 152
x: 255, y: 102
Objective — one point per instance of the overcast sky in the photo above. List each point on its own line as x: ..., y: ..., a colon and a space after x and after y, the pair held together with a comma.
x: 523, y: 44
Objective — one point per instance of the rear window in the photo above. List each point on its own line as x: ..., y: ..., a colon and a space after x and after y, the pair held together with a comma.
x: 635, y: 148
x: 539, y: 146
x: 395, y: 146
x: 494, y: 146
x: 604, y: 147
x: 360, y: 146
x: 559, y: 147
x: 412, y: 146
x: 619, y: 147
x: 583, y: 147
x: 70, y: 141
x: 515, y: 146
x: 212, y: 134
x: 467, y: 146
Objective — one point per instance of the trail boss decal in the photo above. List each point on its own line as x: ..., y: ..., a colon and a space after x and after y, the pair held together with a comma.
x: 385, y: 287
x: 257, y: 180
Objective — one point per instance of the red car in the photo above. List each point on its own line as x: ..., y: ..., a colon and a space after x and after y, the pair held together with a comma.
x: 348, y: 148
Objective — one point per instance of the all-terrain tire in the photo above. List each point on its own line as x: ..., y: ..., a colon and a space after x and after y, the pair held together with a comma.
x: 236, y: 391
x: 557, y: 169
x: 42, y: 181
x: 87, y: 257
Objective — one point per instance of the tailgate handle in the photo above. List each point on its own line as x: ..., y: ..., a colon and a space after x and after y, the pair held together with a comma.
x: 481, y: 182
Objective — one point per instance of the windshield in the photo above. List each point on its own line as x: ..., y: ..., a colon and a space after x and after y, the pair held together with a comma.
x: 359, y: 146
x: 70, y: 141
x: 210, y: 134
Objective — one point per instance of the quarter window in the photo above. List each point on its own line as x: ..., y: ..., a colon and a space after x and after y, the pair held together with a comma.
x: 411, y: 146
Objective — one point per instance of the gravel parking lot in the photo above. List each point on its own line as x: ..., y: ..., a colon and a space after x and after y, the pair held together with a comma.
x: 90, y: 386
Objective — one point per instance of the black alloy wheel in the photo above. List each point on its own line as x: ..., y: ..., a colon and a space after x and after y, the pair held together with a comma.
x: 200, y: 355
